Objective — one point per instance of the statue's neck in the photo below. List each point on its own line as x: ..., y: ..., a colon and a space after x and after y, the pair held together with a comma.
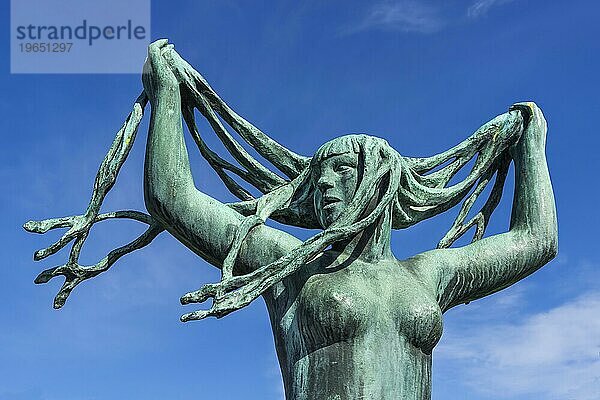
x: 371, y: 244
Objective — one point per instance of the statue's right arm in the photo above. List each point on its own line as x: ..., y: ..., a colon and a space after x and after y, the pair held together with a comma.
x: 200, y: 222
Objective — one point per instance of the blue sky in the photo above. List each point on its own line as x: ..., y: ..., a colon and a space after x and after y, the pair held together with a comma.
x: 423, y: 75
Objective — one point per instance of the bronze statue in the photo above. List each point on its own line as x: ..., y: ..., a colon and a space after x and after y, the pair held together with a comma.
x: 350, y: 320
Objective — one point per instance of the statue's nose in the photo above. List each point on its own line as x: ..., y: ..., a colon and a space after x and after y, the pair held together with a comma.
x: 324, y: 183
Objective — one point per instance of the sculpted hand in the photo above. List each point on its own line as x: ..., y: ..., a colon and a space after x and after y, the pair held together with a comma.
x: 534, y: 134
x: 157, y: 77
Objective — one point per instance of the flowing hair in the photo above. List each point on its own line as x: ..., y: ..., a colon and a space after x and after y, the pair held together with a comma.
x: 412, y: 189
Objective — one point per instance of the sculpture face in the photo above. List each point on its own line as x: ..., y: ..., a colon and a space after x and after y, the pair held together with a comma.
x: 335, y: 179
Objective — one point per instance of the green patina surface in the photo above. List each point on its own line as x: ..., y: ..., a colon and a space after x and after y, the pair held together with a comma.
x: 349, y: 319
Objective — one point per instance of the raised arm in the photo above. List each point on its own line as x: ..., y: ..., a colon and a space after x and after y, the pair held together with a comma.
x: 202, y: 223
x: 460, y: 275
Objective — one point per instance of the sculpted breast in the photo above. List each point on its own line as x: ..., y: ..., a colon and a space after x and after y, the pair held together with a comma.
x: 418, y: 317
x: 344, y: 305
x: 332, y: 309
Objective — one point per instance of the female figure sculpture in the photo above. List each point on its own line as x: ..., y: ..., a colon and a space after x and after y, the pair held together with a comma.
x: 350, y: 320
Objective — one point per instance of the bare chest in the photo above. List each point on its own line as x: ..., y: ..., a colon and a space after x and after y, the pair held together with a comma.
x: 321, y: 307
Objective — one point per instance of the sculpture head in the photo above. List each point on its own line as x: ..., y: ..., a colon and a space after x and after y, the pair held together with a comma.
x: 334, y: 176
x: 337, y: 170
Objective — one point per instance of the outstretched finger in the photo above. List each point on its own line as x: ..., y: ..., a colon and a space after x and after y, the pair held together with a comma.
x: 195, y: 316
x: 201, y: 295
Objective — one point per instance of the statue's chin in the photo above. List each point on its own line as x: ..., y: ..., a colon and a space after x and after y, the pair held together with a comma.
x: 329, y: 215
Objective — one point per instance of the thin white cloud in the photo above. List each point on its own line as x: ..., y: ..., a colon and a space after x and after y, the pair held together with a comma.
x: 413, y: 16
x: 481, y: 7
x: 550, y: 355
x: 403, y: 15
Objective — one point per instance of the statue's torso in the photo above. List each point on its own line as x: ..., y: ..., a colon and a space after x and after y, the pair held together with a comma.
x: 361, y: 331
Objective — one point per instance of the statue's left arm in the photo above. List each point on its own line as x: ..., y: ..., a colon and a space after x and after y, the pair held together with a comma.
x: 460, y: 275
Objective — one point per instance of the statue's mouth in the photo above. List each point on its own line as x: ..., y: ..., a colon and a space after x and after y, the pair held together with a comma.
x: 329, y: 201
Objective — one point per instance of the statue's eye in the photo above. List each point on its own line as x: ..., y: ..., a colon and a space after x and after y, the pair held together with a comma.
x: 342, y: 168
